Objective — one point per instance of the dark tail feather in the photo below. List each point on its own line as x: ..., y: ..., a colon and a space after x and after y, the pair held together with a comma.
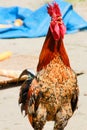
x: 24, y: 89
x: 74, y: 103
x: 27, y: 72
x: 74, y: 100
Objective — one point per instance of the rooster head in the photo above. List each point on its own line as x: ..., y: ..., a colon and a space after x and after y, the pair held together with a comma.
x: 57, y: 26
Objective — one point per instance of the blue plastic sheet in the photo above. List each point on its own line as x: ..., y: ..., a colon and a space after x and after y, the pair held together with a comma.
x: 36, y: 23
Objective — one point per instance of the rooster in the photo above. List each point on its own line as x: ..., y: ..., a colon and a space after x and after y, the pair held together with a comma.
x: 51, y: 94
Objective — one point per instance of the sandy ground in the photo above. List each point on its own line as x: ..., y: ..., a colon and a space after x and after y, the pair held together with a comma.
x: 25, y: 55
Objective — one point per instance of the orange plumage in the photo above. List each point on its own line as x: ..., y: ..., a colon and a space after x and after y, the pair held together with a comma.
x: 50, y: 48
x: 51, y: 94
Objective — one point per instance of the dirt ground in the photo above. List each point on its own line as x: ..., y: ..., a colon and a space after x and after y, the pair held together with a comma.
x: 25, y: 54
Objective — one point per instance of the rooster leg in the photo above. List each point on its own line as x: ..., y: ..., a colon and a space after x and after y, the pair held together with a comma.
x: 39, y: 118
x: 62, y: 117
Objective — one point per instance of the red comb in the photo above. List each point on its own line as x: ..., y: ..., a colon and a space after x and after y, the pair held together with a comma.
x: 57, y: 26
x: 54, y: 10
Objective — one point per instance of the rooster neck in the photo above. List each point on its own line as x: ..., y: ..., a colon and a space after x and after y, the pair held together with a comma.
x: 50, y: 49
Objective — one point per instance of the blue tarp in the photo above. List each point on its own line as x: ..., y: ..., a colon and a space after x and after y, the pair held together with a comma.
x: 36, y: 23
